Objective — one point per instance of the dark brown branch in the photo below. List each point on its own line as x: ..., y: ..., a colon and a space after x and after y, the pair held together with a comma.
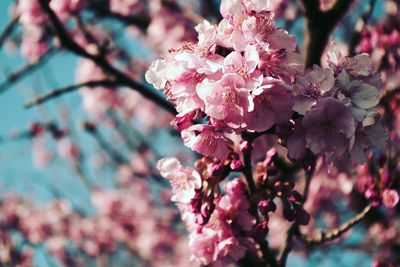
x: 8, y: 30
x: 25, y: 70
x: 387, y: 97
x: 24, y: 135
x: 248, y: 169
x: 102, y: 62
x: 61, y: 91
x: 311, y: 7
x: 319, y: 25
x: 28, y: 134
x: 267, y: 256
x: 288, y: 246
x: 326, y: 236
x: 103, y: 11
x: 211, y: 7
x: 186, y: 13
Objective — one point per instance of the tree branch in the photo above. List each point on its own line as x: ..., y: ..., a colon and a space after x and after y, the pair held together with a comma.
x: 102, y: 62
x: 18, y: 136
x: 8, y: 30
x: 387, y: 97
x: 319, y: 25
x: 61, y: 91
x: 325, y: 236
x: 248, y: 169
x: 101, y: 10
x: 210, y: 6
x: 24, y: 70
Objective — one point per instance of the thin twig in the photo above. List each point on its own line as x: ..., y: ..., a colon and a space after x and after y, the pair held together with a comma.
x: 325, y: 236
x: 248, y: 169
x: 267, y: 255
x: 186, y: 13
x: 8, y: 30
x: 25, y: 135
x: 103, y: 11
x: 65, y: 39
x: 61, y: 91
x: 24, y: 70
x: 387, y: 97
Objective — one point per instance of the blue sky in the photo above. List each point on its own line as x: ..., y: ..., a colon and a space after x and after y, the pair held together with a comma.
x: 17, y: 172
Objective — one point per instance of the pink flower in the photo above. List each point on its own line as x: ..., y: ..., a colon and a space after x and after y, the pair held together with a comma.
x: 68, y: 150
x: 98, y: 101
x: 272, y: 105
x: 365, y: 138
x: 64, y: 8
x: 126, y: 7
x: 226, y: 99
x: 204, y: 245
x: 41, y: 155
x: 329, y: 126
x: 242, y: 65
x: 279, y: 39
x: 235, y: 8
x: 280, y: 64
x: 207, y: 36
x: 30, y: 12
x: 168, y: 28
x: 258, y: 27
x: 390, y: 198
x: 234, y: 205
x: 179, y: 74
x: 363, y: 96
x: 296, y: 143
x: 207, y: 140
x: 358, y: 66
x: 232, y: 248
x: 310, y: 87
x: 33, y: 49
x: 230, y: 36
x: 184, y: 181
x: 258, y: 6
x: 231, y: 8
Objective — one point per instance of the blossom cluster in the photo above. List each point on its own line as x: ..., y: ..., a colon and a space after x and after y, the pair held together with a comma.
x: 238, y: 74
x: 382, y: 42
x: 221, y: 227
x: 339, y: 108
x: 244, y: 75
x: 168, y: 27
x: 244, y: 78
x: 34, y: 21
x: 123, y: 217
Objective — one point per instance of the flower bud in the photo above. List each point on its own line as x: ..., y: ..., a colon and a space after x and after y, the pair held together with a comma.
x: 390, y: 198
x: 265, y: 206
x: 236, y: 165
